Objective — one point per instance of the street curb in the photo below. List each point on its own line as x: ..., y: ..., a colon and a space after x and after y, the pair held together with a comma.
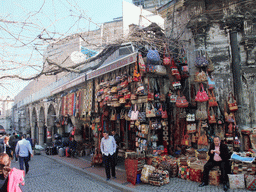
x: 99, y: 178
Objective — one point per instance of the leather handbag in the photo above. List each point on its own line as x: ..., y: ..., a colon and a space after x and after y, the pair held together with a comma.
x: 212, y: 100
x: 134, y: 114
x: 232, y: 105
x: 201, y: 96
x: 153, y: 56
x: 211, y: 116
x: 210, y: 67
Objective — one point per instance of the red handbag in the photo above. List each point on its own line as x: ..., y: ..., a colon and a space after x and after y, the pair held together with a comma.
x: 212, y: 100
x: 232, y: 106
x: 166, y: 60
x: 211, y: 116
x: 181, y: 101
x: 164, y: 113
x: 201, y: 96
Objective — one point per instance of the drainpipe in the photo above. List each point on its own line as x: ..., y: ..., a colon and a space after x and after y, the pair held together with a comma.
x: 236, y: 70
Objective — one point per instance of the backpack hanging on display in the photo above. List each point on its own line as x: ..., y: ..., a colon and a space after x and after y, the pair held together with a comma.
x: 166, y: 59
x: 153, y: 57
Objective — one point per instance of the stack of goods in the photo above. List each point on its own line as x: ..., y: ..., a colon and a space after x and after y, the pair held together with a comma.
x: 134, y: 164
x: 196, y: 173
x: 214, y: 176
x: 159, y: 178
x: 243, y: 168
x: 145, y: 173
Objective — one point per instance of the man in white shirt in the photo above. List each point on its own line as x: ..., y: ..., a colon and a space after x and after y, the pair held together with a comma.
x: 108, y: 148
x: 22, y: 150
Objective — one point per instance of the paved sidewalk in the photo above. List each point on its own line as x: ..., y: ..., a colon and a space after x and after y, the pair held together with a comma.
x: 83, y: 164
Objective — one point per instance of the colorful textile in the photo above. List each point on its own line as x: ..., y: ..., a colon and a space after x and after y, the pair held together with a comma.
x: 250, y: 182
x: 236, y: 181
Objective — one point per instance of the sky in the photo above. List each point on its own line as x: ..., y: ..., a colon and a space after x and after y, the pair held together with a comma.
x: 23, y: 22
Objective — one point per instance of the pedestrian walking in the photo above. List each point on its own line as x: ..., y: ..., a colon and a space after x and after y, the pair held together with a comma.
x: 14, y: 146
x: 6, y: 148
x: 23, y: 148
x: 108, y: 148
x: 31, y: 143
x: 10, y: 178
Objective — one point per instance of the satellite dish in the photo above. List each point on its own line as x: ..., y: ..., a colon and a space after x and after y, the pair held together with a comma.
x: 77, y: 57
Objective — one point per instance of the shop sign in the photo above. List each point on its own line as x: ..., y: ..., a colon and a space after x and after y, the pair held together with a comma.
x: 113, y: 66
x: 70, y: 84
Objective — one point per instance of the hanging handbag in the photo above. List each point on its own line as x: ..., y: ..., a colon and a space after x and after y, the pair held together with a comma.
x: 160, y: 70
x: 142, y: 65
x: 176, y: 85
x: 210, y: 67
x: 134, y: 114
x: 201, y: 113
x: 211, y: 116
x: 166, y: 59
x: 164, y: 112
x: 122, y: 100
x: 211, y: 83
x: 201, y: 60
x: 181, y: 102
x: 153, y: 57
x: 201, y: 96
x: 232, y: 105
x: 151, y: 68
x: 191, y: 117
x: 122, y: 114
x: 136, y: 74
x: 142, y: 116
x: 184, y: 73
x: 191, y: 128
x: 202, y: 139
x: 172, y: 97
x: 200, y: 77
x: 212, y: 100
x: 113, y: 116
x: 150, y: 111
x: 182, y: 113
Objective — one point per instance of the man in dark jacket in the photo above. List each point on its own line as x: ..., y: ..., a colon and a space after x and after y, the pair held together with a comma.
x: 72, y: 146
x: 118, y: 140
x: 219, y: 156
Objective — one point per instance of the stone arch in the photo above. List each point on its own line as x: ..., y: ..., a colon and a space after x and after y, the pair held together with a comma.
x: 34, y: 126
x: 41, y: 126
x: 51, y: 127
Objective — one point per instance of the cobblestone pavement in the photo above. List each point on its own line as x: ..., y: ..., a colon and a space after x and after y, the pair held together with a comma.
x: 54, y: 173
x: 48, y: 175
